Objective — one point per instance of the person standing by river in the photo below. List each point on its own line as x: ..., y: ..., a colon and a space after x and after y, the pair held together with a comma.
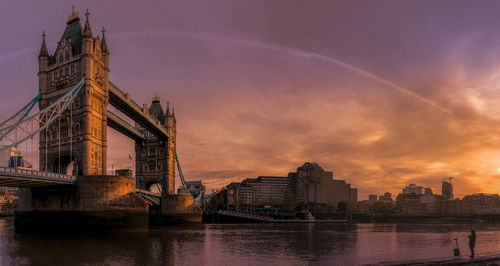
x: 472, y: 242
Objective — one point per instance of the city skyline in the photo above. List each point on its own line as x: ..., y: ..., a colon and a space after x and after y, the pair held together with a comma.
x: 381, y: 104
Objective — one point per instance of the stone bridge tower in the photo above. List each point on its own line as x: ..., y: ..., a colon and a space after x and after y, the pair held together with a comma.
x: 155, y: 158
x: 79, y: 139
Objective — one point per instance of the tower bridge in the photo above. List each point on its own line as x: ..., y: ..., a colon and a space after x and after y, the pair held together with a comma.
x: 73, y: 98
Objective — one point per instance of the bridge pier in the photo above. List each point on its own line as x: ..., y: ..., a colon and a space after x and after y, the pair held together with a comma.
x: 94, y: 201
x: 102, y: 201
x: 176, y: 209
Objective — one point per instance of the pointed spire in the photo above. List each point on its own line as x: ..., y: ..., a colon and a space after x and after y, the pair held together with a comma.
x: 104, y: 46
x: 73, y: 16
x: 87, y: 32
x: 156, y: 99
x: 168, y: 108
x: 43, y: 50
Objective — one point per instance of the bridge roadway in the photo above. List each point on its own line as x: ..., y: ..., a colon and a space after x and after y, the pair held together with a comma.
x: 17, y: 177
x: 122, y: 101
x: 26, y: 178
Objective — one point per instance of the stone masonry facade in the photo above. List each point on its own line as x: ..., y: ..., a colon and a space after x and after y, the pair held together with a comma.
x: 79, y: 136
x: 155, y: 159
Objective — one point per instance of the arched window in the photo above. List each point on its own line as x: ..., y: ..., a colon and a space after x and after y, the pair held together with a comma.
x: 152, y: 166
x: 60, y: 58
x: 77, y: 103
x: 64, y: 129
x: 54, y: 133
x: 76, y: 129
x: 66, y: 55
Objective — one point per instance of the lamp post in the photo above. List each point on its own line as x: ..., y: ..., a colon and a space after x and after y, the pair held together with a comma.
x: 316, y: 181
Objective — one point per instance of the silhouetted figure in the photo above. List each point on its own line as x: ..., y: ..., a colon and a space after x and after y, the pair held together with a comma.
x: 456, y: 250
x: 472, y: 242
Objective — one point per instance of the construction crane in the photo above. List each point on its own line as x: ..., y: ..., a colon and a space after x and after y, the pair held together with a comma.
x: 448, y: 178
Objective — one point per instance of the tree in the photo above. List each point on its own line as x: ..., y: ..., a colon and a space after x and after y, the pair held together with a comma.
x: 345, y: 206
x: 288, y: 203
x: 382, y: 207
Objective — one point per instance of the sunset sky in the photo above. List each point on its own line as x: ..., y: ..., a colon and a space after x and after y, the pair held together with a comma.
x: 382, y: 93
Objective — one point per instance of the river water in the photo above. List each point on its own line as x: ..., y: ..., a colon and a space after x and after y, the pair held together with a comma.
x: 243, y: 244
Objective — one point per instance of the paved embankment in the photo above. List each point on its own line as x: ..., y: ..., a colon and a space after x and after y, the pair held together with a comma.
x: 493, y: 259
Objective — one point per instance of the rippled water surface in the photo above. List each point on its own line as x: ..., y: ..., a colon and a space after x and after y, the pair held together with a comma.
x: 242, y: 244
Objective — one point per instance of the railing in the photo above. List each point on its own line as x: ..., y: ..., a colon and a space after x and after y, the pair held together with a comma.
x: 149, y: 193
x: 37, y: 174
x: 125, y: 96
x: 246, y: 215
x: 149, y: 196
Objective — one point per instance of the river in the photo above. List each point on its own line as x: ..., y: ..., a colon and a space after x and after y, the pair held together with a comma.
x: 242, y: 244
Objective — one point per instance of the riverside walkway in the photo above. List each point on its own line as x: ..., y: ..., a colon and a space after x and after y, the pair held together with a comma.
x: 488, y: 259
x: 267, y: 219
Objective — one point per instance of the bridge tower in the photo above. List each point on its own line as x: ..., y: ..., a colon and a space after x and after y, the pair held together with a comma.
x: 155, y: 158
x: 79, y: 138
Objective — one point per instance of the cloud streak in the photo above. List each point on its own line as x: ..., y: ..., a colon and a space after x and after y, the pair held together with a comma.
x: 282, y: 49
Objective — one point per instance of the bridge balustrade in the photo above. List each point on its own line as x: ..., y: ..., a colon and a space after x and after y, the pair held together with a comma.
x: 36, y: 174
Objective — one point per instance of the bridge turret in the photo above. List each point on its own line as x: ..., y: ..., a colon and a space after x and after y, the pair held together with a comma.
x: 44, y: 53
x: 104, y: 46
x: 87, y: 31
x: 81, y: 137
x: 87, y: 48
x: 43, y: 63
x: 171, y: 124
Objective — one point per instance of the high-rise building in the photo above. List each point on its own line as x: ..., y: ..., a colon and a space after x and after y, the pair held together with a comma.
x: 353, y: 195
x: 316, y: 188
x: 372, y: 199
x: 13, y: 158
x: 447, y: 190
x: 254, y: 193
x: 311, y: 188
x: 387, y: 197
x: 412, y: 189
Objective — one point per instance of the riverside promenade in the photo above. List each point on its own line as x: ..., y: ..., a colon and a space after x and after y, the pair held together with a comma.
x: 493, y: 259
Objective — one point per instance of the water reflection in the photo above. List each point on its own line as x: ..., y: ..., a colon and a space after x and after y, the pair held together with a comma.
x: 289, y: 242
x: 255, y: 244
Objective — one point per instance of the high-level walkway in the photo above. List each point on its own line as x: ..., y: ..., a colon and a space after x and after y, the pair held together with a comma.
x: 122, y: 101
x: 122, y: 126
